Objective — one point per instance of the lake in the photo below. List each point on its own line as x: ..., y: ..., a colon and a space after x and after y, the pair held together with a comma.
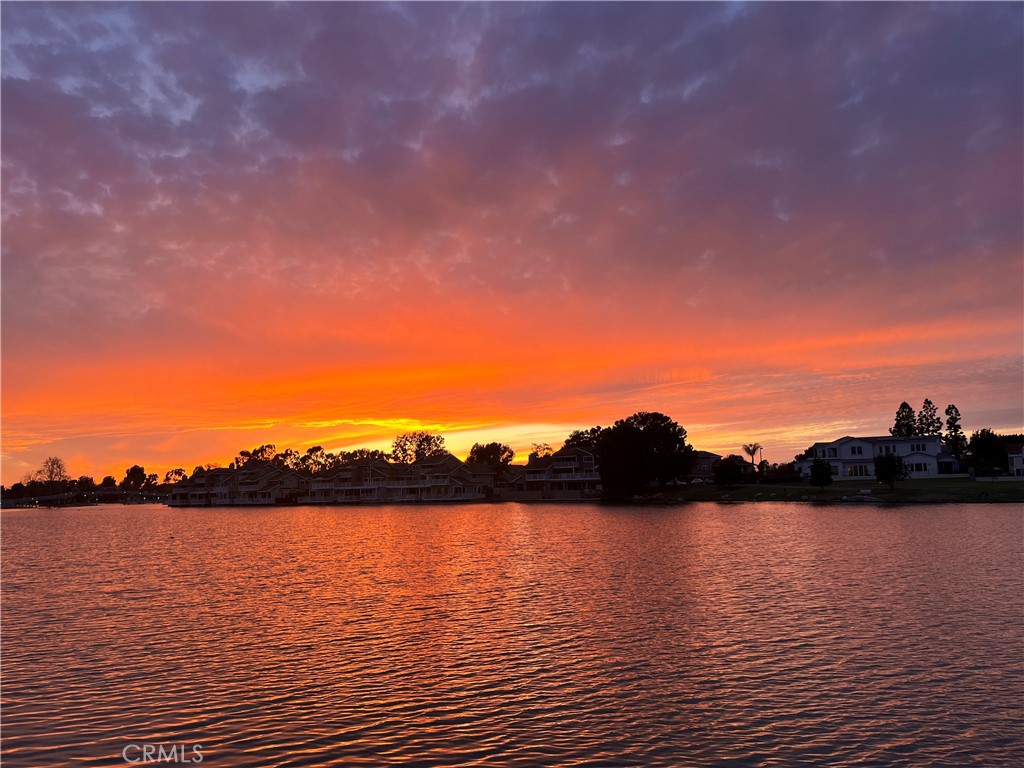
x: 768, y: 634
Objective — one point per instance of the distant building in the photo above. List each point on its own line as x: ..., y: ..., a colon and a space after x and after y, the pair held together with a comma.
x: 568, y: 473
x: 853, y: 458
x: 1015, y: 458
x: 704, y: 465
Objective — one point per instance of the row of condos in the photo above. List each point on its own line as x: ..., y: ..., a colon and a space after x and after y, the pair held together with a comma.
x: 571, y: 473
x: 853, y: 458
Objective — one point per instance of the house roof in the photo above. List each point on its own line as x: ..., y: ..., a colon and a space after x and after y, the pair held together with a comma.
x: 705, y: 455
x: 876, y: 439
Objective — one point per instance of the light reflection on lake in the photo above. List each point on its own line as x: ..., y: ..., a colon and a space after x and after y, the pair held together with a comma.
x: 516, y: 635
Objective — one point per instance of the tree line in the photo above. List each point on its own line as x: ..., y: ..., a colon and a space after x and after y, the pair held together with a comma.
x: 634, y: 454
x: 52, y: 480
x: 985, y: 452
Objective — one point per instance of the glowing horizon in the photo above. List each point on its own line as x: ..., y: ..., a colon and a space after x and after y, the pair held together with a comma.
x: 333, y: 223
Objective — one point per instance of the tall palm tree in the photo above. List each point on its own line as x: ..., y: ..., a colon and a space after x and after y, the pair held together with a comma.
x: 751, y: 450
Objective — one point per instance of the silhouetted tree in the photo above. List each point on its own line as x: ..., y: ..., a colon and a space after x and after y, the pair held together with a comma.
x: 86, y: 484
x: 780, y: 473
x: 729, y: 471
x: 889, y: 468
x: 954, y: 439
x: 413, y: 446
x: 361, y: 454
x: 986, y: 453
x: 751, y: 450
x: 639, y: 450
x: 108, y: 482
x: 807, y: 454
x: 821, y: 473
x: 928, y: 422
x: 287, y: 459
x: 53, y: 470
x: 495, y: 455
x: 264, y: 453
x: 583, y: 438
x: 175, y: 476
x: 541, y: 451
x: 905, y: 424
x: 316, y: 460
x: 134, y: 479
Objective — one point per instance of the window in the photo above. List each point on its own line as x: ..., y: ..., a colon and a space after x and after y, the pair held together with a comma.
x: 917, y: 447
x: 833, y: 453
x: 856, y: 450
x: 857, y: 470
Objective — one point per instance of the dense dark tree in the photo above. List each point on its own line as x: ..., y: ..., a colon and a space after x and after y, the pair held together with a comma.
x: 541, y: 451
x: 108, y: 482
x: 413, y: 446
x: 639, y: 450
x: 729, y: 471
x: 986, y: 453
x: 782, y: 473
x: 134, y: 479
x: 905, y: 424
x: 954, y: 439
x: 53, y: 470
x: 495, y: 455
x: 889, y: 468
x: 86, y: 484
x: 175, y: 476
x: 583, y: 438
x: 807, y: 454
x: 928, y: 422
x: 821, y: 473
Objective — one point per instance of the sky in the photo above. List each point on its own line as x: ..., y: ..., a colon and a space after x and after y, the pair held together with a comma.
x: 326, y: 224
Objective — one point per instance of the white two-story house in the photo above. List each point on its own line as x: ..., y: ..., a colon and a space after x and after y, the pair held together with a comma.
x: 853, y: 458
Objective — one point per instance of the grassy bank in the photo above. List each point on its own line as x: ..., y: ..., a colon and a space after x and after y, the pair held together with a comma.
x: 938, y: 490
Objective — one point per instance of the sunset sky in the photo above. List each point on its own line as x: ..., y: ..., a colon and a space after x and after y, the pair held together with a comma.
x: 231, y: 224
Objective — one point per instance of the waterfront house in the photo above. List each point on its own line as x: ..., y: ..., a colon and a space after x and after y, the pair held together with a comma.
x: 704, y: 466
x: 853, y: 458
x: 568, y: 473
x: 1015, y: 459
x: 260, y: 483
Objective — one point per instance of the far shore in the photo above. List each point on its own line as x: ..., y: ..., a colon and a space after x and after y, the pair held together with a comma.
x: 931, y: 491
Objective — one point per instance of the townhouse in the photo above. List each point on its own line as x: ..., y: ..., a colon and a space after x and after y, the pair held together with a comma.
x: 570, y: 473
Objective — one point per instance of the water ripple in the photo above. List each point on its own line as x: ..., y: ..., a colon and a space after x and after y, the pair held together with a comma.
x: 510, y: 635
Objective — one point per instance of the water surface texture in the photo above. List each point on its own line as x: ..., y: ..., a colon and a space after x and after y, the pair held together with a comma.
x: 515, y: 635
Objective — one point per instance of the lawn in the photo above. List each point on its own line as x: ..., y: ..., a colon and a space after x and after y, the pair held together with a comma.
x: 954, y: 489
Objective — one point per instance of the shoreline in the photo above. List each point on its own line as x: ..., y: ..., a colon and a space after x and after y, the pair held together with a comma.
x: 727, y: 496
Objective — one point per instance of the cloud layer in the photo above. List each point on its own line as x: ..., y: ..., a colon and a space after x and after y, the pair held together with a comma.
x: 230, y: 223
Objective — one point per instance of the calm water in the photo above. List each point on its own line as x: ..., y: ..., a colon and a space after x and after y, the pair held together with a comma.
x: 512, y: 635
